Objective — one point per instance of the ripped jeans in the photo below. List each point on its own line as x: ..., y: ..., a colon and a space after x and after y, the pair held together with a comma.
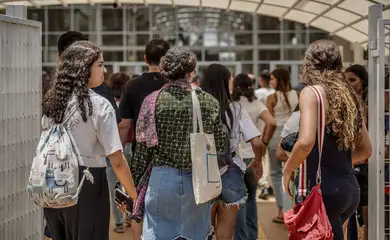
x: 170, y: 208
x: 233, y: 187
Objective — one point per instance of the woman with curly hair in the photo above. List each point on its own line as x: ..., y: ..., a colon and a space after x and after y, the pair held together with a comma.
x: 163, y: 143
x: 345, y: 140
x: 91, y: 120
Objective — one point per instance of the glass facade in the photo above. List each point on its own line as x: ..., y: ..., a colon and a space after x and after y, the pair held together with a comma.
x: 247, y: 40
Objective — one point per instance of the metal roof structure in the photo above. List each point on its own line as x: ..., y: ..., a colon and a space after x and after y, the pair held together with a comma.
x: 345, y: 18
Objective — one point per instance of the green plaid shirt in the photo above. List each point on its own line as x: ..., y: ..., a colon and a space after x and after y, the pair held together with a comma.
x: 174, y: 125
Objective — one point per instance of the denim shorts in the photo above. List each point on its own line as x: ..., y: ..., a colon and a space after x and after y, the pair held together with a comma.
x: 170, y: 208
x: 234, y: 191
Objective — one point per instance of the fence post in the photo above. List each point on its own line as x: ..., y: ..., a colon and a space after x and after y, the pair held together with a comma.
x: 375, y: 196
x: 20, y: 115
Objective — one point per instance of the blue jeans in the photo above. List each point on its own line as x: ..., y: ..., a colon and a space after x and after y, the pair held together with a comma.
x: 276, y: 168
x: 112, y: 180
x: 170, y: 208
x: 246, y: 222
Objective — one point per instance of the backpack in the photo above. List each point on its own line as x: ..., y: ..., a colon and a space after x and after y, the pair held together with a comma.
x: 225, y: 158
x: 54, y: 176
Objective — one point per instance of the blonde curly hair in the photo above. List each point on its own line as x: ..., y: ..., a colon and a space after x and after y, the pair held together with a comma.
x: 323, y: 66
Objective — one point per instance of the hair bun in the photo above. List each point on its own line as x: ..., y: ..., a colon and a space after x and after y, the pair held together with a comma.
x: 177, y: 63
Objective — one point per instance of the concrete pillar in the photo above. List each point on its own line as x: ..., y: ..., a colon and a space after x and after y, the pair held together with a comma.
x: 16, y: 11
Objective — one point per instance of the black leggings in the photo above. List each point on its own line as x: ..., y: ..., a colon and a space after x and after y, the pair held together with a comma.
x: 339, y: 208
x: 89, y: 219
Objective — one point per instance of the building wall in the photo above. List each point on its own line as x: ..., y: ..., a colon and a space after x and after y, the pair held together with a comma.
x: 213, y: 34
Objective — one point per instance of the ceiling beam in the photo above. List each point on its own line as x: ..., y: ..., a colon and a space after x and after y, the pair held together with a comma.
x: 35, y: 4
x: 297, y: 2
x: 258, y: 6
x: 63, y: 3
x: 324, y: 12
x: 348, y: 25
x: 229, y: 4
x: 356, y: 21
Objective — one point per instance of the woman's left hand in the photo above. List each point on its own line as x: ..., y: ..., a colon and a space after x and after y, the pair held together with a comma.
x: 257, y: 167
x: 287, y: 177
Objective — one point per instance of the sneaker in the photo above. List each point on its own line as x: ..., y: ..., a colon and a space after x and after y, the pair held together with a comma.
x: 119, y: 229
x: 264, y: 194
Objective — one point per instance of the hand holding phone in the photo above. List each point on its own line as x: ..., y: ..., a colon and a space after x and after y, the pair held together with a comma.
x: 122, y: 198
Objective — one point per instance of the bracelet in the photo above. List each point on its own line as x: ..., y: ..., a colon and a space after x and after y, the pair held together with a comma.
x: 266, y: 144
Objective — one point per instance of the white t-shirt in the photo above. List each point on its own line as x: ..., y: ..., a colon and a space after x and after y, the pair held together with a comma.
x: 254, y: 110
x: 292, y: 124
x: 96, y: 138
x: 263, y: 93
x: 243, y: 129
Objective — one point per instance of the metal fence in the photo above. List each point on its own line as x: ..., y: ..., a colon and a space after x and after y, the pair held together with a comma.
x: 379, y: 102
x: 20, y: 114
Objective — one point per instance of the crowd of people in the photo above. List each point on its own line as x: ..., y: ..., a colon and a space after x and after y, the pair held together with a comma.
x: 130, y: 124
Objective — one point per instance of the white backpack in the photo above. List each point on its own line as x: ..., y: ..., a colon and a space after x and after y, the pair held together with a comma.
x: 54, y: 175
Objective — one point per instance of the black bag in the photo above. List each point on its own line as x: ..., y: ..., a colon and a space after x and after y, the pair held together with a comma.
x: 288, y: 142
x: 225, y: 158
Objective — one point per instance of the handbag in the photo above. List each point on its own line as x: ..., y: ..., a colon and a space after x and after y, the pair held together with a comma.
x: 206, y: 177
x: 288, y: 142
x: 308, y: 220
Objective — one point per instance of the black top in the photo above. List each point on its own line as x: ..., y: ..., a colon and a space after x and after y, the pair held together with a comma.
x: 133, y: 94
x: 337, y: 172
x: 104, y: 91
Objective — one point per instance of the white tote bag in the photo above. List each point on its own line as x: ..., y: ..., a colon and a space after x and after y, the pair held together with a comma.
x: 206, y: 178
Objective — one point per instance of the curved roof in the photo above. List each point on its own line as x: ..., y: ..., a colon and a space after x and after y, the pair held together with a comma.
x: 345, y: 18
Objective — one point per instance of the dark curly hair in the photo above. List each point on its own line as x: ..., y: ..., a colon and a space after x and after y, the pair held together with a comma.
x: 116, y: 82
x: 242, y: 86
x: 323, y: 65
x: 71, y: 77
x: 177, y: 63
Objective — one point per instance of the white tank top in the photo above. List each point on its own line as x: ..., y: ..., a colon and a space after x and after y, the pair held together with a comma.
x: 281, y: 109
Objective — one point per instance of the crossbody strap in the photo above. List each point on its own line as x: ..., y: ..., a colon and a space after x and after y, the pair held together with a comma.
x: 320, y: 129
x: 196, y: 113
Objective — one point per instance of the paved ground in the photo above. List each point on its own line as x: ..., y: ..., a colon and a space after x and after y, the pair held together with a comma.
x: 267, y: 229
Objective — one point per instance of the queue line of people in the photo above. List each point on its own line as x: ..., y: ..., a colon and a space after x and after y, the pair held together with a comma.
x: 229, y: 111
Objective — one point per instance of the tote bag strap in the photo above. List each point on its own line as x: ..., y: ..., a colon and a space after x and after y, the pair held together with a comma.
x: 196, y: 113
x: 320, y: 128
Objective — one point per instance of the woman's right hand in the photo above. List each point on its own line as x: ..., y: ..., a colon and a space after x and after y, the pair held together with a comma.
x: 122, y: 207
x: 122, y: 172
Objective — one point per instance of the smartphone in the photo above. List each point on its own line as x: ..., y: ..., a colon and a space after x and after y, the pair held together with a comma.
x: 121, y: 197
